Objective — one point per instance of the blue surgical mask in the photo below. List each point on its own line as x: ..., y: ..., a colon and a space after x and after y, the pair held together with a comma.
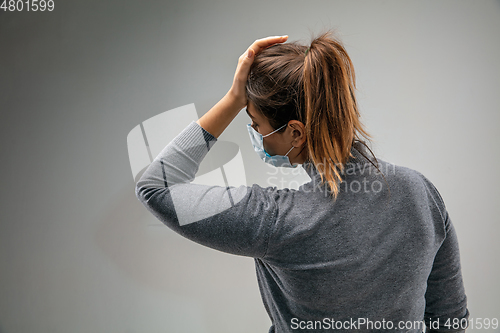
x: 258, y: 146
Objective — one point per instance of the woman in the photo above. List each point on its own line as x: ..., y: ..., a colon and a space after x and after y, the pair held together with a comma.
x: 365, y: 246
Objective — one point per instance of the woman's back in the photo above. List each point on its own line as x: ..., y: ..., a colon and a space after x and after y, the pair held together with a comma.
x: 367, y: 255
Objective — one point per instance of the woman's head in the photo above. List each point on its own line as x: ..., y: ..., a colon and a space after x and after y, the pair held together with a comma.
x: 314, y: 94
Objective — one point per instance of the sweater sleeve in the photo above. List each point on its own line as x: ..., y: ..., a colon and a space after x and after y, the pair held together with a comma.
x: 235, y: 220
x: 446, y: 302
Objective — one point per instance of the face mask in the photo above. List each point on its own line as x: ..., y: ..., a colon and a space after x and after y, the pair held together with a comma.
x: 258, y: 146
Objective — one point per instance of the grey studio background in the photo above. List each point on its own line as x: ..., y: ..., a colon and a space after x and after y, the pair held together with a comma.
x: 79, y: 253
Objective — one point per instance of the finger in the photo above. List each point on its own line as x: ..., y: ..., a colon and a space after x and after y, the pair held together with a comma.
x: 263, y: 43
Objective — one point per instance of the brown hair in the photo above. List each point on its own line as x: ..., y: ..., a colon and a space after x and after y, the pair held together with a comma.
x: 316, y: 88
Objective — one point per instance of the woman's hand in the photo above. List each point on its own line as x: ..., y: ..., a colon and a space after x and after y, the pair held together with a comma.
x: 237, y: 91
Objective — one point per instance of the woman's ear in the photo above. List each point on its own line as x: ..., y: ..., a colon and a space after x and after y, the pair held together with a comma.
x: 298, y: 132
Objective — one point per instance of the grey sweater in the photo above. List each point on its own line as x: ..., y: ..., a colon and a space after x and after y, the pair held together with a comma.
x: 383, y: 257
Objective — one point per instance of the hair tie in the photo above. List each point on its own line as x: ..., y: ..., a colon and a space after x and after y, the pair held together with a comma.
x: 306, y: 51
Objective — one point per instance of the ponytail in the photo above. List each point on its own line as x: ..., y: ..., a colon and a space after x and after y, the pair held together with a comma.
x: 331, y: 111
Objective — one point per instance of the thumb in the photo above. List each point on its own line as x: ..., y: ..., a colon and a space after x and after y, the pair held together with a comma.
x: 250, y: 53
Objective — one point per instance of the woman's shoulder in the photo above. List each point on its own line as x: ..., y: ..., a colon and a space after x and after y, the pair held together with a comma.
x: 399, y: 171
x: 366, y: 162
x: 401, y: 175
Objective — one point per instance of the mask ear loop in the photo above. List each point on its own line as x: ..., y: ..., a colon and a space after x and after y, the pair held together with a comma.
x: 274, y: 130
x: 289, y: 150
x: 292, y: 146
